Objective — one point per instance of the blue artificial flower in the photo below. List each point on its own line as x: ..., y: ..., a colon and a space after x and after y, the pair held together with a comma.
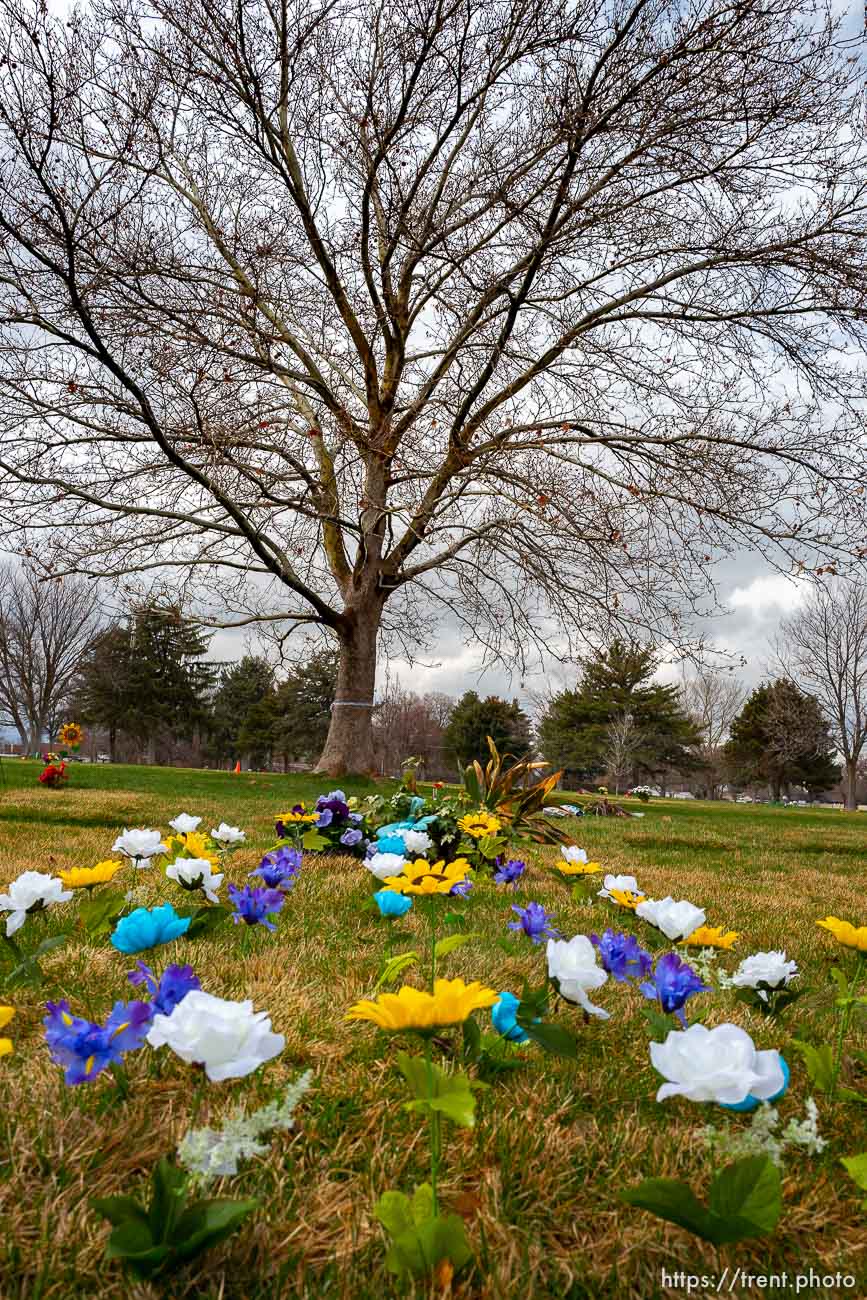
x: 535, y: 922
x: 390, y: 844
x: 509, y: 873
x: 85, y: 1048
x: 672, y: 983
x: 356, y: 817
x: 325, y: 818
x: 351, y: 837
x: 391, y: 903
x: 504, y: 1017
x: 172, y: 987
x: 461, y: 889
x: 622, y: 956
x: 256, y: 906
x: 148, y: 927
x: 279, y: 868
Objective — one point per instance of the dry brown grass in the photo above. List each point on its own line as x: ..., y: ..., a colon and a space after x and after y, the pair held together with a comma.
x: 537, y: 1179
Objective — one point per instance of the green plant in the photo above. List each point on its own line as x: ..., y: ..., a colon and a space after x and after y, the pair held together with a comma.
x: 498, y: 788
x: 744, y: 1200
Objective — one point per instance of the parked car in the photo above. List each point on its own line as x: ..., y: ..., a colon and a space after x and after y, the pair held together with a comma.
x: 744, y: 798
x: 683, y: 794
x: 103, y: 758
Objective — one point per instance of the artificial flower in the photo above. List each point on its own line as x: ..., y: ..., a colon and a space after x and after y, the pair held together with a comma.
x: 139, y: 846
x: 70, y: 734
x: 674, y: 919
x: 573, y: 965
x: 720, y: 1064
x: 451, y: 1002
x: 389, y: 845
x: 296, y: 816
x: 228, y: 1038
x: 416, y: 842
x: 622, y: 956
x: 504, y: 1018
x: 478, y: 825
x: 385, y: 864
x: 87, y: 877
x: 196, y: 873
x: 422, y: 877
x: 771, y: 968
x: 147, y: 928
x: 846, y: 933
x: 171, y: 988
x: 193, y: 844
x: 184, y: 823
x: 6, y: 1014
x: 208, y: 1153
x: 510, y: 873
x: 85, y: 1048
x: 279, y: 868
x: 391, y: 903
x: 708, y: 936
x: 626, y: 898
x: 626, y: 884
x: 32, y: 891
x: 574, y: 862
x: 534, y: 922
x: 353, y: 836
x: 227, y: 836
x: 672, y: 982
x: 256, y: 906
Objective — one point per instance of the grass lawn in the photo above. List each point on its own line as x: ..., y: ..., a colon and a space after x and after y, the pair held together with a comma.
x: 537, y: 1179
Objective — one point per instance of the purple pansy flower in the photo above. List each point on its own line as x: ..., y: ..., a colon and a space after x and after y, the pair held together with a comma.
x: 509, y: 873
x: 279, y: 868
x: 325, y: 818
x: 622, y: 955
x: 535, y: 922
x: 351, y: 837
x: 86, y: 1049
x: 672, y: 983
x: 334, y: 803
x: 256, y: 906
x: 171, y: 988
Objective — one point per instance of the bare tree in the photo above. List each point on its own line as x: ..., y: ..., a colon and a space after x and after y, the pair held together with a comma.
x: 341, y: 309
x: 713, y: 700
x: 408, y: 724
x: 46, y: 629
x: 823, y: 647
x: 623, y: 739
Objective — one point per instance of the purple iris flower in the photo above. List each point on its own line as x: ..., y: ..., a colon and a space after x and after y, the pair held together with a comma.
x: 622, y: 956
x: 462, y: 888
x: 535, y: 922
x: 171, y: 988
x: 86, y: 1049
x: 279, y: 868
x: 509, y: 873
x: 351, y: 837
x: 672, y: 983
x: 256, y: 906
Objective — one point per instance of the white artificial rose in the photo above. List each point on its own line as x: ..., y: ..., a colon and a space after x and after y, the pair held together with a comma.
x: 572, y: 853
x: 416, y: 842
x: 139, y: 845
x: 573, y: 964
x: 719, y: 1064
x: 227, y: 836
x: 385, y: 864
x: 31, y: 892
x: 184, y: 823
x: 196, y: 873
x: 628, y: 884
x: 676, y: 920
x: 767, y: 968
x: 229, y: 1039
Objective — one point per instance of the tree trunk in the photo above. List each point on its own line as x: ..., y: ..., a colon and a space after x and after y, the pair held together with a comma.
x: 349, y: 744
x: 850, y: 785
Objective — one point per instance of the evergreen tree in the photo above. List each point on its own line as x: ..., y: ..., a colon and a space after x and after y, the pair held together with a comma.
x: 104, y: 687
x: 781, y: 738
x: 302, y: 707
x: 575, y: 732
x: 242, y: 712
x: 473, y: 720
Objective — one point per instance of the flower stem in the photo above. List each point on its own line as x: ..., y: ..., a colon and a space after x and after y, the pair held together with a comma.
x: 434, y: 1127
x: 845, y: 1017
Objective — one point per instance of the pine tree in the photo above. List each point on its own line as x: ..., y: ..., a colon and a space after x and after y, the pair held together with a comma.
x: 781, y: 738
x: 473, y: 720
x: 243, y: 712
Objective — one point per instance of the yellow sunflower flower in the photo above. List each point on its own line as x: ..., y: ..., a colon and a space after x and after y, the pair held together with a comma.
x: 87, y: 877
x: 70, y: 734
x: 451, y: 1003
x: 195, y: 843
x: 626, y: 898
x: 708, y: 936
x: 576, y: 868
x: 846, y: 933
x: 422, y: 877
x: 6, y: 1014
x: 478, y: 825
x: 295, y: 816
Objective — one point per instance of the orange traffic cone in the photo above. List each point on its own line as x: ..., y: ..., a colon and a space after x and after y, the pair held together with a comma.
x: 237, y: 766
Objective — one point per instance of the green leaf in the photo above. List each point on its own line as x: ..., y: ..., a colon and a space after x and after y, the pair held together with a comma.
x: 472, y: 1040
x: 849, y: 1094
x: 749, y: 1189
x: 131, y: 1243
x: 205, y: 920
x: 554, y: 1039
x: 99, y: 913
x: 453, y: 941
x: 119, y: 1209
x: 422, y: 1203
x: 168, y: 1198
x: 819, y: 1063
x: 420, y: 1249
x: 856, y: 1167
x: 49, y: 945
x: 394, y: 1212
x: 314, y: 841
x: 207, y: 1222
x: 452, y: 1093
x: 658, y: 1023
x: 673, y: 1201
x: 841, y: 981
x: 490, y: 845
x: 394, y: 966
